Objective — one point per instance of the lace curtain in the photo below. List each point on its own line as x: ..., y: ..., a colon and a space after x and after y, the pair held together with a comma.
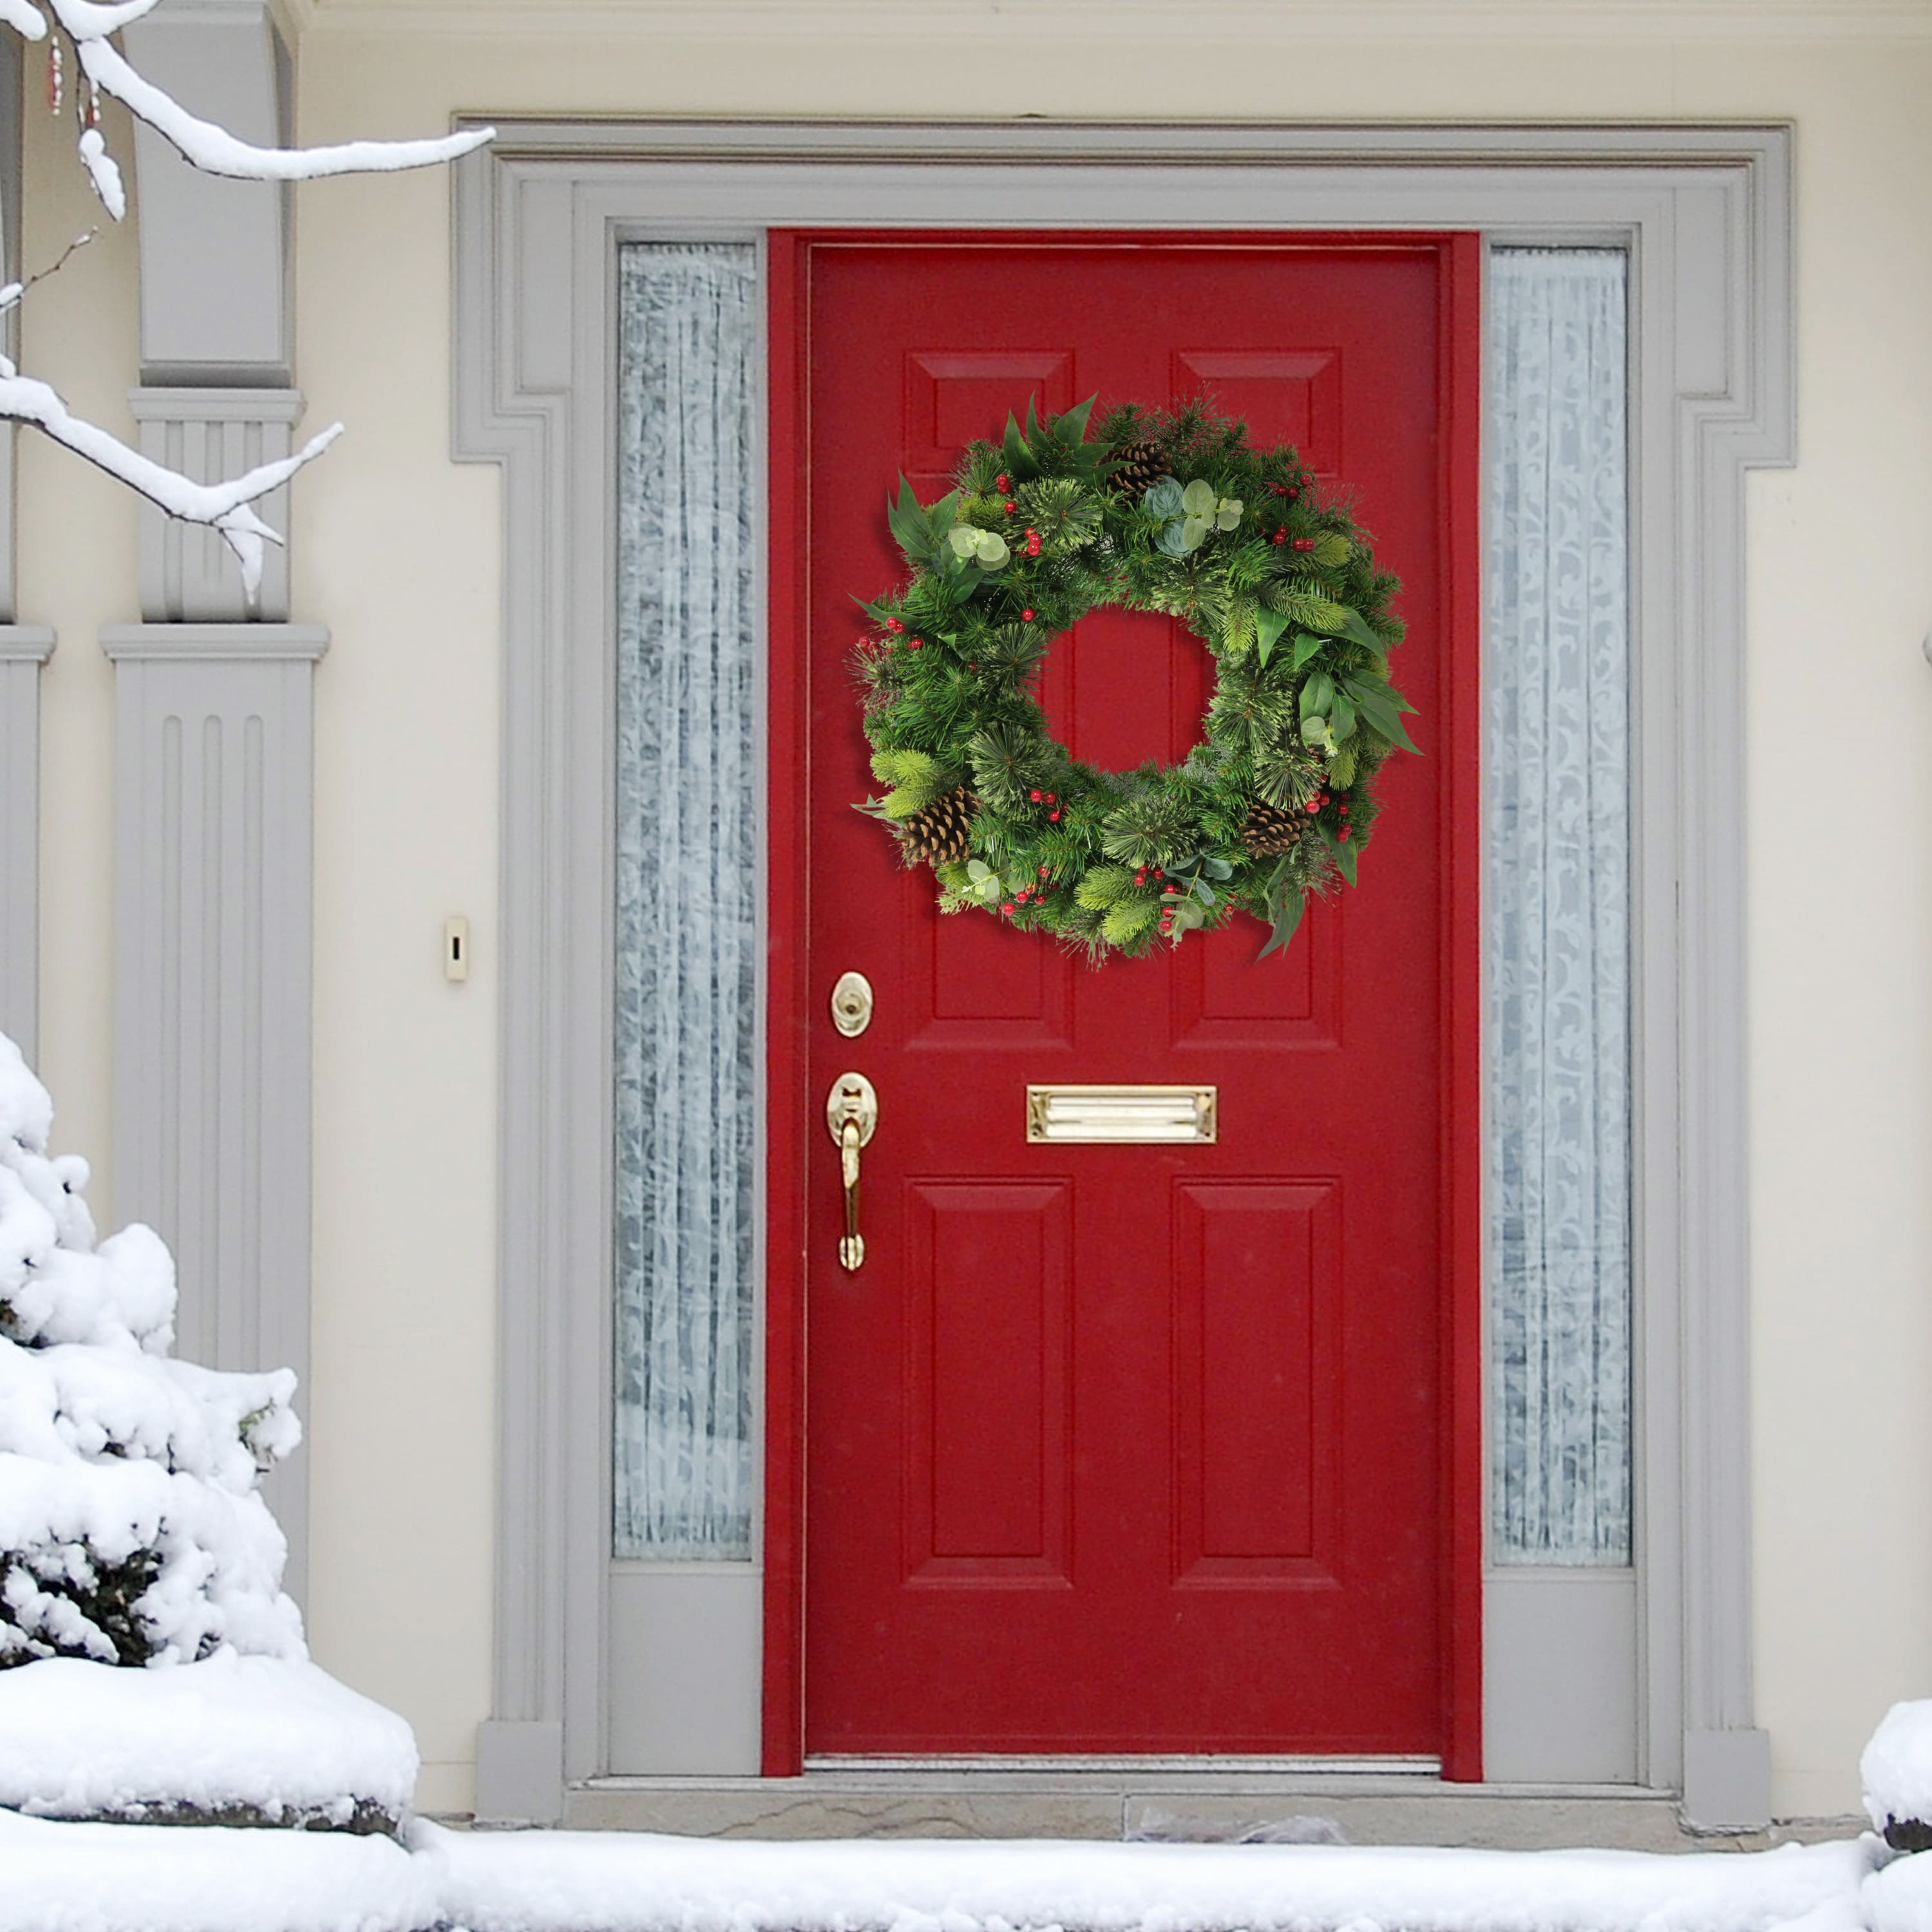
x: 686, y: 927
x: 1558, y: 754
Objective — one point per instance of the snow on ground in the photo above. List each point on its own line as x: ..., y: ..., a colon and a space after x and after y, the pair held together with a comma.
x: 92, y: 1878
x: 79, y: 1738
x: 1899, y: 1899
x: 548, y: 1882
x: 1896, y: 1769
x: 163, y: 1878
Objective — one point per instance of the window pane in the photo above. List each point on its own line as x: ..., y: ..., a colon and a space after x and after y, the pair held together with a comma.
x: 1558, y: 756
x: 686, y: 924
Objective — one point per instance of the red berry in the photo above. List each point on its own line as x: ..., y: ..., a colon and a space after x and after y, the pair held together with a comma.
x: 1304, y: 543
x: 1026, y: 616
x: 1314, y: 804
x: 1020, y: 897
x: 914, y: 645
x: 1053, y: 818
x: 1343, y: 833
x: 1280, y: 537
x: 1001, y: 481
x: 1008, y: 906
x: 893, y: 625
x: 1034, y: 796
x: 1158, y: 873
x: 1009, y: 506
x: 1043, y: 872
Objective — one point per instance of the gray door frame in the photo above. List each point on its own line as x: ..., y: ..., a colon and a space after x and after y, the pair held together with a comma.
x: 1704, y: 212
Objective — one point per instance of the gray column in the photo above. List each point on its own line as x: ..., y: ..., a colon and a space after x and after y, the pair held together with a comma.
x: 213, y: 878
x: 24, y: 648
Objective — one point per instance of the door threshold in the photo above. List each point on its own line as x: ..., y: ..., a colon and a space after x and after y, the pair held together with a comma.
x: 1134, y: 1764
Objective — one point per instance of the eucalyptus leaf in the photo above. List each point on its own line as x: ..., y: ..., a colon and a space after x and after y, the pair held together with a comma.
x: 1198, y: 499
x: 1217, y: 869
x: 1194, y: 532
x: 1355, y: 626
x: 992, y: 550
x: 977, y: 869
x: 1379, y: 709
x: 1163, y: 498
x: 1269, y: 626
x: 963, y: 539
x: 1229, y: 513
x: 1286, y: 912
x: 1170, y: 542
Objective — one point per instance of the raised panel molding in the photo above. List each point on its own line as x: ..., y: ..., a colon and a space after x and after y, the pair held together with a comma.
x: 213, y: 809
x: 188, y: 574
x: 24, y: 648
x: 1706, y: 210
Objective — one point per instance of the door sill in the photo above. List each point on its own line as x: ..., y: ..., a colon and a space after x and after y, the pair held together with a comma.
x: 1218, y: 1764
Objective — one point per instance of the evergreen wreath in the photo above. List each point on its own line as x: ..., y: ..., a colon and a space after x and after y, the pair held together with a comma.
x: 1163, y: 511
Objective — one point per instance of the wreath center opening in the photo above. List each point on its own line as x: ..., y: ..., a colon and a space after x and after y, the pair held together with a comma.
x: 1117, y: 693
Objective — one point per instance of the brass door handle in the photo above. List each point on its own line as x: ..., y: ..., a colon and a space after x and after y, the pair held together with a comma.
x: 851, y: 1113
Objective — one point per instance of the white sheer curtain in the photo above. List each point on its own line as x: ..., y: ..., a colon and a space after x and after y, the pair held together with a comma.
x: 686, y: 925
x: 1557, y: 764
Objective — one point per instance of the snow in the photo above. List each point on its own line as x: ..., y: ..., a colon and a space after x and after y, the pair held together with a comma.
x: 214, y: 151
x: 1899, y: 1898
x: 546, y: 1882
x: 118, y: 1463
x: 157, y: 1878
x: 79, y: 1740
x: 133, y: 1534
x: 1896, y: 1769
x: 86, y: 1878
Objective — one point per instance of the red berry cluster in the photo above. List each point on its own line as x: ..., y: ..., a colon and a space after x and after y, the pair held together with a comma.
x: 1047, y: 798
x: 1032, y: 541
x: 1340, y: 801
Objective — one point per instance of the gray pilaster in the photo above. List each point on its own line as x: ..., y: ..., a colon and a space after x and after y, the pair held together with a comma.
x: 188, y: 574
x: 213, y: 879
x: 214, y: 275
x: 10, y: 271
x: 24, y: 648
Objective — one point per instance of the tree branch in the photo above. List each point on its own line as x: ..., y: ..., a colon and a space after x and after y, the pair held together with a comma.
x: 221, y: 506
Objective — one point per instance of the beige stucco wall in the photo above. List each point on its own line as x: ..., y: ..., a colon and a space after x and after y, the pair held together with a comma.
x: 397, y: 553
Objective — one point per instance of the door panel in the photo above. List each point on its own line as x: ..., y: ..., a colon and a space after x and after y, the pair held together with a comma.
x: 1120, y: 1449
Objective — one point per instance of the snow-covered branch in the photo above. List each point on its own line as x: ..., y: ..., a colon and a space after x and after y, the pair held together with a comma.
x: 222, y: 506
x: 86, y: 26
x: 216, y: 151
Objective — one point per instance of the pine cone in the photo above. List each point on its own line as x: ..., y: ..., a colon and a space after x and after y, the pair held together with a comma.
x: 1269, y: 831
x: 1139, y: 466
x: 941, y: 833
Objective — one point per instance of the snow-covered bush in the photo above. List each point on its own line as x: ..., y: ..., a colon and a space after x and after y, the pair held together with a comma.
x: 131, y: 1530
x: 1896, y: 1770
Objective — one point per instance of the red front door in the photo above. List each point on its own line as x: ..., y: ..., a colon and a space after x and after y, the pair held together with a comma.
x: 1114, y: 1449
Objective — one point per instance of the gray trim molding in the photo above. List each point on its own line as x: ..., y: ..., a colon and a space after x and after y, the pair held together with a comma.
x: 11, y: 164
x: 213, y: 862
x: 1706, y: 213
x: 24, y: 648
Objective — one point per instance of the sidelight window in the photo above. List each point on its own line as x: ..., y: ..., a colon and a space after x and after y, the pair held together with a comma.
x: 1557, y: 755
x: 687, y: 930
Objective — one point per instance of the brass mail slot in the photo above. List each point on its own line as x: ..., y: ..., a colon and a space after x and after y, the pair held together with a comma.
x: 1119, y: 1113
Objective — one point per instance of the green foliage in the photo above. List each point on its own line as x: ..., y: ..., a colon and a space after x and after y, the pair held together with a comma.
x: 1280, y: 586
